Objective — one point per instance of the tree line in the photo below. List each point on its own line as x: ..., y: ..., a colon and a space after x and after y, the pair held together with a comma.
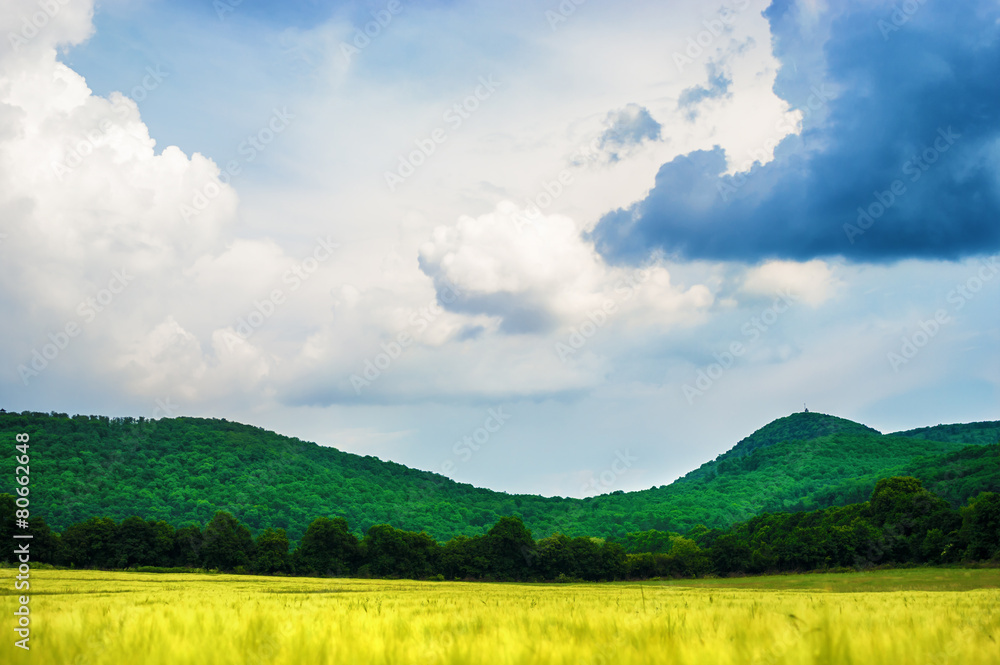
x: 901, y: 523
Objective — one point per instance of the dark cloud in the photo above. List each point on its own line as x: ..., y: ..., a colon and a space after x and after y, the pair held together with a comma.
x: 901, y: 120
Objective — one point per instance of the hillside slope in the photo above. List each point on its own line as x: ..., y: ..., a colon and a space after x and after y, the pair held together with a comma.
x: 955, y: 477
x: 184, y: 469
x: 979, y: 434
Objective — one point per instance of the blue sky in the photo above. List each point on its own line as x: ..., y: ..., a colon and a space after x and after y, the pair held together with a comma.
x: 626, y: 227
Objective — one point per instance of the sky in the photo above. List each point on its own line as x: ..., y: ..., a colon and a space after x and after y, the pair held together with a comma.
x: 512, y: 243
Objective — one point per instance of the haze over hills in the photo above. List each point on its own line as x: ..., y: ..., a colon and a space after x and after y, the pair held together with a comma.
x: 185, y: 469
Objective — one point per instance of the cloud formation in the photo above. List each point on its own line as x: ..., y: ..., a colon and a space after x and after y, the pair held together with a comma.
x: 626, y: 129
x: 535, y: 276
x: 897, y: 156
x: 718, y: 86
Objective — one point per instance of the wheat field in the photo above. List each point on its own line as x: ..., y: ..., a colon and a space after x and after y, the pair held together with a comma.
x: 93, y: 617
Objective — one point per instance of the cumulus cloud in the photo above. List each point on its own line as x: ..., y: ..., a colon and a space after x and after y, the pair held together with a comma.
x: 896, y: 156
x: 30, y: 27
x: 94, y: 239
x: 535, y: 276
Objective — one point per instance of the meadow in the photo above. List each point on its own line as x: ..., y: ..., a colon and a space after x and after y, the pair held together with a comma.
x: 94, y: 617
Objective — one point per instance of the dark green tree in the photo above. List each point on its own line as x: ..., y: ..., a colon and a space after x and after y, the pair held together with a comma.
x: 143, y: 543
x: 227, y: 544
x: 186, y: 549
x: 271, y: 554
x: 510, y: 549
x: 327, y: 548
x: 389, y: 552
x: 981, y: 527
x: 90, y: 544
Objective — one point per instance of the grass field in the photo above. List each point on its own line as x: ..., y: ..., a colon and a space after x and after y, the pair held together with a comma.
x: 91, y: 617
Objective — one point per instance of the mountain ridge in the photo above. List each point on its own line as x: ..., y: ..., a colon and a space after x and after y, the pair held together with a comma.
x: 184, y: 469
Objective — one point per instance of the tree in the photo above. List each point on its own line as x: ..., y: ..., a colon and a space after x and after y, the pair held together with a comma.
x: 327, y: 548
x: 90, y: 544
x: 730, y: 554
x: 981, y: 526
x: 464, y: 557
x: 271, y: 551
x: 509, y: 548
x: 687, y: 559
x: 389, y: 552
x: 143, y: 543
x: 552, y: 557
x: 905, y: 512
x: 227, y: 544
x: 186, y: 549
x: 893, y: 497
x: 613, y: 561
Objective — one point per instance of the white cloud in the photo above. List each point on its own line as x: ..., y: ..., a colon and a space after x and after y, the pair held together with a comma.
x: 536, y: 274
x: 813, y: 281
x: 30, y: 26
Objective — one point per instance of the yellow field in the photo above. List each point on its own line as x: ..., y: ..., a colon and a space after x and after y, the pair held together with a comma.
x: 87, y: 618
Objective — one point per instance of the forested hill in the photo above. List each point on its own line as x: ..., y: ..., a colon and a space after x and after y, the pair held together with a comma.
x: 183, y: 470
x: 798, y: 427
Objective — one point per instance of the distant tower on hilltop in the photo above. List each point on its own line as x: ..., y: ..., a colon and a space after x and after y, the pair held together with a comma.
x: 805, y: 408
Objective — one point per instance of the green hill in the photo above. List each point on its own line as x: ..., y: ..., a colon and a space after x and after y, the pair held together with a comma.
x: 797, y: 427
x: 184, y: 469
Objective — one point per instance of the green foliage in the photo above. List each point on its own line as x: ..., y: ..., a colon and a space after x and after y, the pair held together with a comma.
x: 651, y: 542
x: 509, y: 548
x: 981, y: 526
x: 91, y: 544
x: 980, y: 434
x: 390, y: 552
x: 271, y: 551
x: 902, y: 523
x: 141, y: 543
x: 327, y: 548
x: 796, y: 427
x: 182, y: 471
x: 226, y: 544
